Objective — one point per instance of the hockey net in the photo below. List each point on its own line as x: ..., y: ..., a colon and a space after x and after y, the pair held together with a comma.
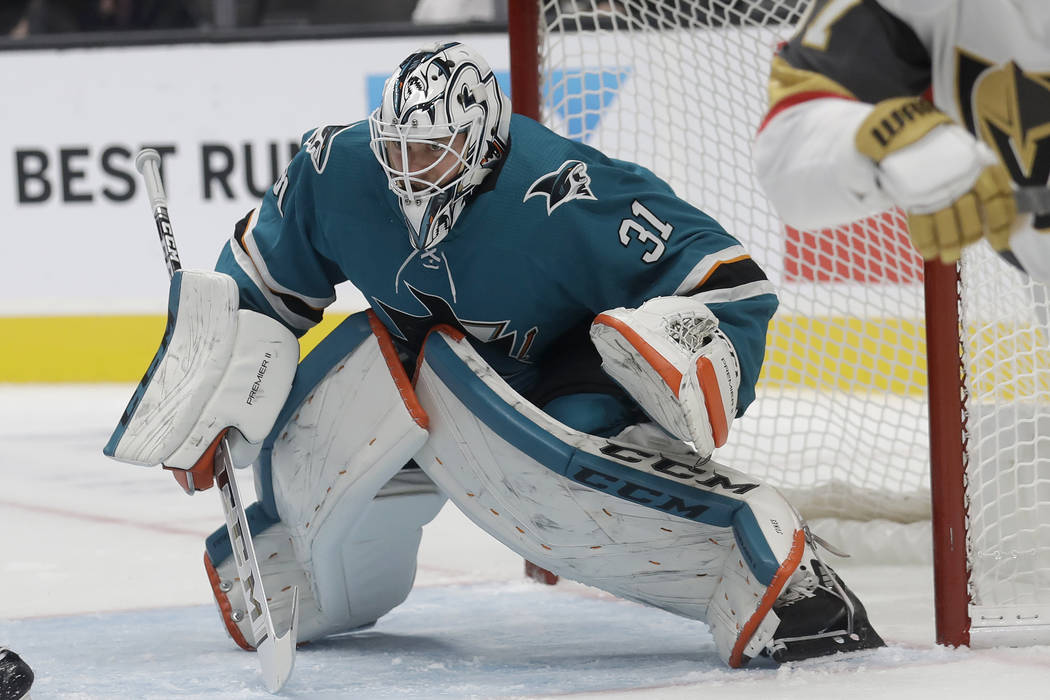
x: 843, y: 415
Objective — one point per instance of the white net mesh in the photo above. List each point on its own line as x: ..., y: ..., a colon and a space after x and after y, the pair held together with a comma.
x: 841, y: 421
x: 680, y: 87
x: 1007, y: 353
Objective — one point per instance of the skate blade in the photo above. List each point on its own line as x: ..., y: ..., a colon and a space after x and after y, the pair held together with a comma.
x: 828, y: 646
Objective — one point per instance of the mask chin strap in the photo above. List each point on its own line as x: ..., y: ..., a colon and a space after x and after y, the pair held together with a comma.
x: 421, y: 217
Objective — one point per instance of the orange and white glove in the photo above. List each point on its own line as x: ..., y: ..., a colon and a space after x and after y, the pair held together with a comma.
x: 671, y: 357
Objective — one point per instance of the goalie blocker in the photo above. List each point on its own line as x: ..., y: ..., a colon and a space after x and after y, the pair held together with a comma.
x: 219, y: 370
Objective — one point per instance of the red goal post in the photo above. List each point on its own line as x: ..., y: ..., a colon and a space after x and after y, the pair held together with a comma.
x: 882, y: 375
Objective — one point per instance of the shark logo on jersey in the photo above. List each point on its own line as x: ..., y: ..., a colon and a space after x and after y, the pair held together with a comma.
x: 1009, y: 109
x: 413, y: 328
x: 318, y: 144
x: 565, y: 184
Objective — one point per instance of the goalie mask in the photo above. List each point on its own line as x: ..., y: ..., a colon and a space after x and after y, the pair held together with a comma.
x: 442, y: 126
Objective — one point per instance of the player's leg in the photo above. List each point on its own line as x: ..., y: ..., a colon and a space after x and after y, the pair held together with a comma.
x: 655, y: 526
x: 806, y: 610
x: 675, y: 337
x: 340, y: 513
x: 16, y: 678
x: 572, y: 388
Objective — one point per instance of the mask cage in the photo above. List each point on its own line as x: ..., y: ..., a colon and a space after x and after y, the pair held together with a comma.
x: 390, y: 144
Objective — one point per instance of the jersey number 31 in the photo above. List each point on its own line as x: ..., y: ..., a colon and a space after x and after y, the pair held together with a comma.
x: 644, y: 235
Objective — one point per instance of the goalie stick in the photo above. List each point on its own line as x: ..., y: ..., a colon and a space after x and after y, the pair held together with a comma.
x: 276, y: 654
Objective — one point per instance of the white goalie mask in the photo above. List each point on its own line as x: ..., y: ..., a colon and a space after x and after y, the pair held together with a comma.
x: 441, y: 128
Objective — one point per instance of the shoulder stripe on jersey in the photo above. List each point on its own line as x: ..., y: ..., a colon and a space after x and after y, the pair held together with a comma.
x: 247, y: 241
x: 244, y: 262
x: 868, y: 49
x: 738, y: 269
x: 291, y: 308
x: 730, y: 273
x: 743, y: 291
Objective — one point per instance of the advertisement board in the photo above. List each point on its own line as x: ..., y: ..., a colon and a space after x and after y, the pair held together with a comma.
x: 226, y: 118
x: 82, y: 280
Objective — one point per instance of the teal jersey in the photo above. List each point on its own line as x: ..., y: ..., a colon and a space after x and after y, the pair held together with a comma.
x: 555, y: 235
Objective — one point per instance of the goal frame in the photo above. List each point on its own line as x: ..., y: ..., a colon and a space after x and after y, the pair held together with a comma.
x: 945, y: 378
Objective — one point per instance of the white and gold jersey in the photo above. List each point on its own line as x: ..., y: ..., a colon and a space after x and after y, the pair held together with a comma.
x: 986, y: 63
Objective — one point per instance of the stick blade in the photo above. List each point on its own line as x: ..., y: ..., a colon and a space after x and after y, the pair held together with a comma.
x: 277, y: 654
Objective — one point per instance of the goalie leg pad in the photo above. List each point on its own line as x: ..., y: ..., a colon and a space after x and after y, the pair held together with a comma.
x: 670, y: 356
x: 280, y: 572
x: 376, y: 565
x: 741, y: 614
x: 217, y: 367
x: 331, y: 473
x: 661, y: 528
x: 805, y: 611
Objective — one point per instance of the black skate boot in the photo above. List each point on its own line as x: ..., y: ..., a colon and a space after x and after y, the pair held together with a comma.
x: 15, y: 676
x: 819, y: 616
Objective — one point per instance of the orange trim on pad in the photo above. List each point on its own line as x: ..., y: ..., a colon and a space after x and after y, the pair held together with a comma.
x: 451, y: 331
x: 705, y: 374
x: 224, y: 606
x: 665, y: 369
x: 397, y: 371
x: 798, y: 546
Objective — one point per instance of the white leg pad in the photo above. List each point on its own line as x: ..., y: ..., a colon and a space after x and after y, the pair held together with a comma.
x: 281, y: 572
x: 662, y: 529
x: 350, y: 517
x: 378, y: 556
x: 372, y: 568
x: 741, y: 614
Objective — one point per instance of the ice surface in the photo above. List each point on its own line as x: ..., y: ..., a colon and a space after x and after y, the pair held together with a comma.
x: 102, y: 590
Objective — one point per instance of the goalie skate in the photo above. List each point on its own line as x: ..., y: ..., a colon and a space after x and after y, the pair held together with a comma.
x: 819, y: 616
x: 16, y: 678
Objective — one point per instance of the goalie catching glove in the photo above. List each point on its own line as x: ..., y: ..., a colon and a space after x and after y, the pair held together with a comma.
x: 671, y: 357
x: 951, y: 185
x: 220, y: 370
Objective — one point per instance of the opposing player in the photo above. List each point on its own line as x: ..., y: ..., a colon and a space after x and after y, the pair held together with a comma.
x: 935, y: 107
x: 506, y: 267
x: 16, y: 678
